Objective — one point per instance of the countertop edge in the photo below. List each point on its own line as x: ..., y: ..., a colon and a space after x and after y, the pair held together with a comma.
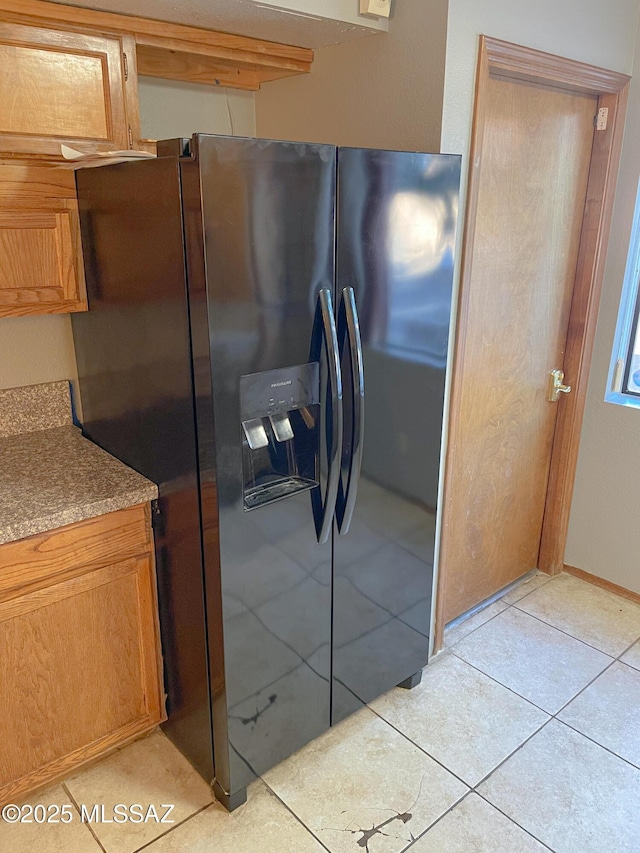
x: 72, y: 515
x: 56, y: 477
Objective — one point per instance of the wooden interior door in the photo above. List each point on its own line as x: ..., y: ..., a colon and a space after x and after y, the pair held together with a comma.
x: 537, y: 143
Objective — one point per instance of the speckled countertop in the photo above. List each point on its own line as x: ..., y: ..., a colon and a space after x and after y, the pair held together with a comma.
x: 53, y: 476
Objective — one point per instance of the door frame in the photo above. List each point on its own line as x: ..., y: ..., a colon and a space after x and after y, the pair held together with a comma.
x: 511, y: 61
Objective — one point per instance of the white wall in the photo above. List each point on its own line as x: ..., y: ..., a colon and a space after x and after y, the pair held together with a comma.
x: 595, y: 31
x: 40, y: 349
x: 606, y: 506
x: 382, y: 91
x: 36, y: 349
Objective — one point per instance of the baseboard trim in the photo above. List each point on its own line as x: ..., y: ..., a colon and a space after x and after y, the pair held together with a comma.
x: 602, y: 583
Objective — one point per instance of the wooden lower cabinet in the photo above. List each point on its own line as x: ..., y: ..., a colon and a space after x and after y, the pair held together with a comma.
x: 80, y: 668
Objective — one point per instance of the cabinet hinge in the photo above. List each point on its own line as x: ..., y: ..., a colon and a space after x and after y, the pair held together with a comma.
x: 125, y: 63
x: 130, y: 137
x: 600, y: 118
x: 156, y: 517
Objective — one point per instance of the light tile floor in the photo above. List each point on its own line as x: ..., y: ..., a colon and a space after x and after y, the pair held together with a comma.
x: 523, y: 736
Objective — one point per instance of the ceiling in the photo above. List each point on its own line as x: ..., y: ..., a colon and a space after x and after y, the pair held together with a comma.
x: 290, y: 22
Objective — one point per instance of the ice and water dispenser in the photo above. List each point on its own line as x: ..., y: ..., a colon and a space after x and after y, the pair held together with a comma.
x: 280, y: 412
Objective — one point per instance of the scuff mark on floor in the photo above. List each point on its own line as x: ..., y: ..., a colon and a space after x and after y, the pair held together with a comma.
x: 366, y: 835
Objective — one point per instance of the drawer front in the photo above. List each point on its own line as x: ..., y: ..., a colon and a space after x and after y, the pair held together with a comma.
x: 39, y: 560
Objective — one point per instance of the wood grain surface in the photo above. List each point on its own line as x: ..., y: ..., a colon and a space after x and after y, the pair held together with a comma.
x: 27, y: 564
x: 536, y: 151
x: 41, y: 266
x: 80, y: 669
x: 174, y: 51
x: 60, y: 87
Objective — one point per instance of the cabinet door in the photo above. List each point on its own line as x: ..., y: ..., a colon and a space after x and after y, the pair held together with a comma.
x: 38, y: 263
x: 78, y: 672
x: 60, y: 87
x: 41, y: 269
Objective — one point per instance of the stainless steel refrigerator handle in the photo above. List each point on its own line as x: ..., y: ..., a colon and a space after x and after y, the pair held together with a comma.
x: 348, y: 325
x: 324, y: 328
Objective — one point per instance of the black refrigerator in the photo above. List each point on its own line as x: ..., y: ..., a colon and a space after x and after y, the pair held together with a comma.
x: 267, y: 340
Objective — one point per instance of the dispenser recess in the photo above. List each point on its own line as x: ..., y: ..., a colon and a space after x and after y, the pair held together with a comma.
x: 280, y: 413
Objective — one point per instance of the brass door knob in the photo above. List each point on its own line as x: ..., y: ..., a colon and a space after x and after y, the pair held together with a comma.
x: 556, y: 378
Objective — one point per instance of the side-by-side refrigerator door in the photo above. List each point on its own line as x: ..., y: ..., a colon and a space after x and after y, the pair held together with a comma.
x: 269, y: 424
x: 396, y: 219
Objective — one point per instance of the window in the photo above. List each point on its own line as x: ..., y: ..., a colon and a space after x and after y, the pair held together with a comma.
x: 623, y: 386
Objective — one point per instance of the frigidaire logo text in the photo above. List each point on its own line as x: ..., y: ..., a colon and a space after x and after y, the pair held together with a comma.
x: 281, y: 384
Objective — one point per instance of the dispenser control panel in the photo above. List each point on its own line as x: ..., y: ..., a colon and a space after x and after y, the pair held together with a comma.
x: 278, y: 391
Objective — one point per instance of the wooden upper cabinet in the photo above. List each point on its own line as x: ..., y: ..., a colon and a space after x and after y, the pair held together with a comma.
x: 172, y: 51
x: 63, y: 87
x: 41, y: 270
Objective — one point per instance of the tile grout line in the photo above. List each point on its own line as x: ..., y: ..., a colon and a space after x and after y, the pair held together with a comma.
x: 473, y: 788
x: 613, y: 659
x: 582, y: 689
x: 88, y: 825
x: 510, y: 689
x: 497, y: 767
x: 473, y: 630
x: 511, y: 754
x: 628, y: 649
x: 530, y: 834
x: 551, y: 625
x: 561, y: 722
x: 437, y: 820
x: 469, y: 788
x: 421, y: 748
x: 507, y: 604
x: 148, y: 844
x: 572, y: 636
x: 413, y: 743
x: 596, y: 743
x: 297, y: 817
x: 552, y: 716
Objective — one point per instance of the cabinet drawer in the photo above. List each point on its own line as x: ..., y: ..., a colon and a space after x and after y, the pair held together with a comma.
x: 30, y: 563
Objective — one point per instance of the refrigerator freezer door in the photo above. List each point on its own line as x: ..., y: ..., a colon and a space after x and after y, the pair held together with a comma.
x: 396, y: 231
x: 267, y: 214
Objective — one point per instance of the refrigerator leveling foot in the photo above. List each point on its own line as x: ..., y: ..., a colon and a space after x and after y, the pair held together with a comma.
x: 412, y: 681
x: 229, y: 801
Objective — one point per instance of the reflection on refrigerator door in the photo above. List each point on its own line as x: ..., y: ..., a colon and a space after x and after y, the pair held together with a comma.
x: 396, y: 234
